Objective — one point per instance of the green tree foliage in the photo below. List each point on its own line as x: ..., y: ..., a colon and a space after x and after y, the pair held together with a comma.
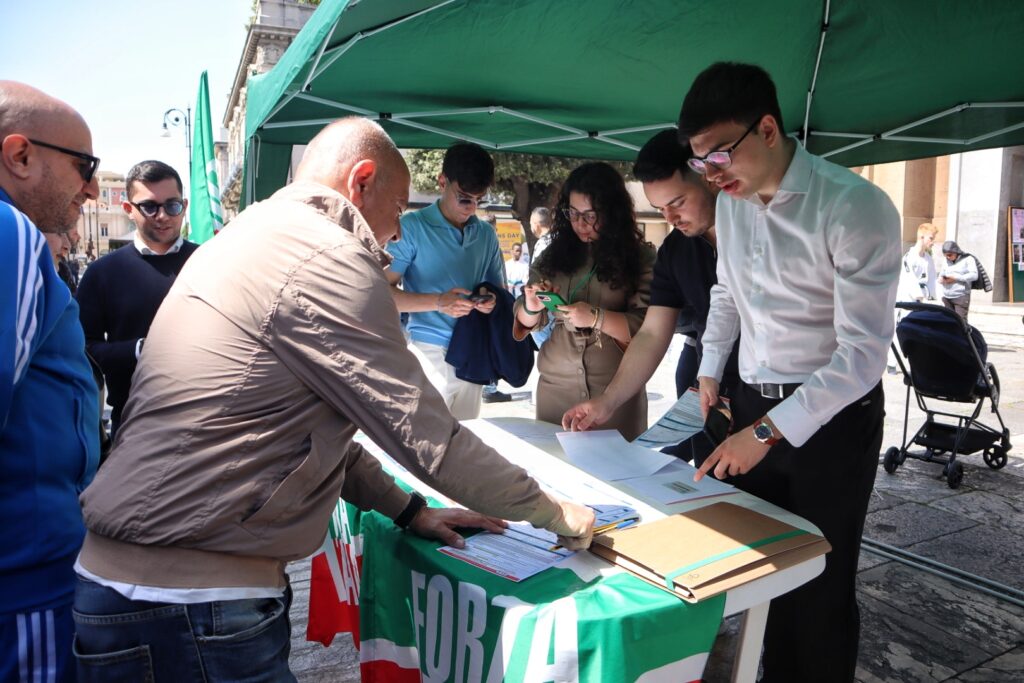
x: 524, y: 181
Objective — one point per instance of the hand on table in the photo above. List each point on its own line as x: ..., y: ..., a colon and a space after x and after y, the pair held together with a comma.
x: 583, y: 416
x: 738, y: 454
x: 440, y: 524
x: 575, y: 526
x: 454, y: 302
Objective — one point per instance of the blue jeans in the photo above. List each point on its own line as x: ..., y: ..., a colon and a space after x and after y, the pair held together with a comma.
x: 119, y: 639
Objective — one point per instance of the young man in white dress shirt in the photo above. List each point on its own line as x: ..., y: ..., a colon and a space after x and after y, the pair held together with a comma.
x: 809, y: 258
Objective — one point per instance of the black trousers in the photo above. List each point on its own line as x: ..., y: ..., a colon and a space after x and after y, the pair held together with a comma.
x: 813, y: 631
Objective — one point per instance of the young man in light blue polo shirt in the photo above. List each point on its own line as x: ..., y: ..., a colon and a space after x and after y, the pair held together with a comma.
x: 443, y: 252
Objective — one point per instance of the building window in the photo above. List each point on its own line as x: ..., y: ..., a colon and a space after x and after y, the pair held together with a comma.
x: 103, y: 230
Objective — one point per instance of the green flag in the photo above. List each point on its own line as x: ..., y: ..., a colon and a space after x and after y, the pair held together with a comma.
x: 205, y: 213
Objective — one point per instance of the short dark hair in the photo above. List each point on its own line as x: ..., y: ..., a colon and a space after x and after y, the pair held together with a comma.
x: 470, y: 166
x: 728, y: 91
x: 151, y: 171
x: 661, y: 157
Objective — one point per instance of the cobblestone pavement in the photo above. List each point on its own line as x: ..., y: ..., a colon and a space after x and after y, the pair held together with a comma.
x: 914, y: 626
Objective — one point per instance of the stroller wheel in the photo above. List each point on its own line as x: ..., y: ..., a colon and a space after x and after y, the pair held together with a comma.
x: 954, y: 474
x: 995, y: 457
x: 891, y: 461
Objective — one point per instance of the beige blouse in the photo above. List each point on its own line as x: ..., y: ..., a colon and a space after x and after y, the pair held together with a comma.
x: 578, y: 364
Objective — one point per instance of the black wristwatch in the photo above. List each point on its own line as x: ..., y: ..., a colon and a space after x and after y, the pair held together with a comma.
x: 416, y: 503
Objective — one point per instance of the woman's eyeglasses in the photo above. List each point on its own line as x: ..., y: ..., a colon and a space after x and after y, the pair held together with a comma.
x: 149, y: 208
x: 588, y: 217
x: 88, y: 163
x: 719, y: 159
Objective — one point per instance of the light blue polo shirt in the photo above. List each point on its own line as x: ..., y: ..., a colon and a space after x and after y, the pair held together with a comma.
x: 434, y: 256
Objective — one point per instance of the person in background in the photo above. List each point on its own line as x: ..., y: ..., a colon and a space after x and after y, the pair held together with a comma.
x: 917, y: 279
x: 445, y: 251
x: 601, y: 267
x: 958, y: 273
x: 540, y: 226
x: 121, y: 293
x: 516, y: 272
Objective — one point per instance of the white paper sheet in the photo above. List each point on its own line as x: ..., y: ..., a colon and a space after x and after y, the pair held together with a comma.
x: 608, y: 456
x: 523, y: 551
x: 682, y: 421
x: 677, y: 486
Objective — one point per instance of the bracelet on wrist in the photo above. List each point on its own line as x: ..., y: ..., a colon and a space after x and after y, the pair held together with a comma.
x: 527, y: 310
x: 416, y: 503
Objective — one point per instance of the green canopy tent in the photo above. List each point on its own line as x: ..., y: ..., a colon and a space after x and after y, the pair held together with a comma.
x: 860, y: 81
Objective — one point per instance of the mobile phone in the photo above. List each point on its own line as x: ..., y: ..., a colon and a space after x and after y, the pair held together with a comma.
x: 551, y: 300
x: 718, y: 423
x: 480, y: 298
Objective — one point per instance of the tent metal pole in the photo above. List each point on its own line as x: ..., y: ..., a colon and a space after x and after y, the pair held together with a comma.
x: 856, y: 136
x: 912, y: 138
x: 316, y: 62
x: 995, y: 133
x: 332, y: 103
x: 444, y: 112
x: 335, y: 53
x: 618, y: 143
x: 638, y: 129
x: 817, y: 65
x: 297, y: 124
x: 859, y: 143
x: 543, y: 122
x: 445, y: 133
x: 540, y: 141
x: 928, y: 119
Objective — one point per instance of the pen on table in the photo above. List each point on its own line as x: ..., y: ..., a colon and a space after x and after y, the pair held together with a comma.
x: 611, y: 526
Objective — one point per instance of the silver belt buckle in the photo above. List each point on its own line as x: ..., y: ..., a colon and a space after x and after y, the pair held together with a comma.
x: 773, y: 391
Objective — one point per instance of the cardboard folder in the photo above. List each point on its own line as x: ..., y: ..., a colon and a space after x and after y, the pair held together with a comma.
x: 707, y: 551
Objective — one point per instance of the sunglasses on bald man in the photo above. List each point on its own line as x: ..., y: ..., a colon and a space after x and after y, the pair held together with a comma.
x: 89, y: 164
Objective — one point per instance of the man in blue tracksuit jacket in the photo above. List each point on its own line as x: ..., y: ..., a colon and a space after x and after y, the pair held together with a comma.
x: 49, y: 412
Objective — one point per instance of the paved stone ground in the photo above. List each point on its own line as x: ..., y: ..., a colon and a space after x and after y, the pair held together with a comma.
x: 914, y: 626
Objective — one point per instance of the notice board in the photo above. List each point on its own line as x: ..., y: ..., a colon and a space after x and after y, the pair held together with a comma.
x: 1015, y: 253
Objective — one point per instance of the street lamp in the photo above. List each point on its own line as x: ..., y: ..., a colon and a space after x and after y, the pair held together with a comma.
x: 178, y: 118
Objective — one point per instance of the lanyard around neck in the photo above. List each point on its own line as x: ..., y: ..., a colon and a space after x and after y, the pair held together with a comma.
x: 579, y: 286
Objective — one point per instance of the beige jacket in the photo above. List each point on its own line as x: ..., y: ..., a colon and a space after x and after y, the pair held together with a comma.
x: 278, y: 341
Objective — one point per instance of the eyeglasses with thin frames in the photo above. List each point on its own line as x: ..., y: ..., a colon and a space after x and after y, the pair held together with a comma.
x: 149, y: 208
x: 719, y: 159
x: 86, y: 170
x: 589, y: 217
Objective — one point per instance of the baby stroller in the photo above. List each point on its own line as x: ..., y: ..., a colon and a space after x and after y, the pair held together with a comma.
x: 947, y: 359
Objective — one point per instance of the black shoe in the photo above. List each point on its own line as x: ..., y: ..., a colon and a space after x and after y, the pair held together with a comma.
x: 496, y: 397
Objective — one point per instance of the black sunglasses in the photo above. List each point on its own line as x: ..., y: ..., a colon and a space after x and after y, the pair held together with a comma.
x: 86, y: 170
x: 149, y: 208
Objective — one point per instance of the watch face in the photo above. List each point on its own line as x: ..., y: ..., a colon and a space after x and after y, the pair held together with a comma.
x: 763, y: 433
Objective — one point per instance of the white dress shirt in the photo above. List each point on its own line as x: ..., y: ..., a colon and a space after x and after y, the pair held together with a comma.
x: 144, y: 249
x: 810, y: 280
x: 965, y: 270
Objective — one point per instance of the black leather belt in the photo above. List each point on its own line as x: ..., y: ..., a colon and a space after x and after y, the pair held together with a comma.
x: 775, y: 391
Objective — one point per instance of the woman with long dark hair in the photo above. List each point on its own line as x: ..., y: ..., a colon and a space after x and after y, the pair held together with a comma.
x: 600, y: 266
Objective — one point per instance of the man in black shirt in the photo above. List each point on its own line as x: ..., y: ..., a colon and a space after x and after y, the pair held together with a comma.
x: 120, y: 293
x: 683, y: 276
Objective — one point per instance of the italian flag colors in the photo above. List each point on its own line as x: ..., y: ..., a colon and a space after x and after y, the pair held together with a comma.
x: 418, y: 615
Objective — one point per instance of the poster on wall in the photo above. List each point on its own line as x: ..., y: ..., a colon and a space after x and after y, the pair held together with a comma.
x: 1017, y: 226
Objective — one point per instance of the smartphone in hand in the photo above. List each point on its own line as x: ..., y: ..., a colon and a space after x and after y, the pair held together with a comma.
x: 718, y: 423
x: 551, y: 300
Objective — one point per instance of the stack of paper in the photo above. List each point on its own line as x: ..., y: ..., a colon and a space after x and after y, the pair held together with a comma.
x: 682, y: 421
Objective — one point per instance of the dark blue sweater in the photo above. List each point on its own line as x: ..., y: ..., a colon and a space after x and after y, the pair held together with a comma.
x: 119, y: 296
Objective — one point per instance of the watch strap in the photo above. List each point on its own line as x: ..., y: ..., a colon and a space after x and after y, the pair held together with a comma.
x: 415, y: 504
x: 770, y: 440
